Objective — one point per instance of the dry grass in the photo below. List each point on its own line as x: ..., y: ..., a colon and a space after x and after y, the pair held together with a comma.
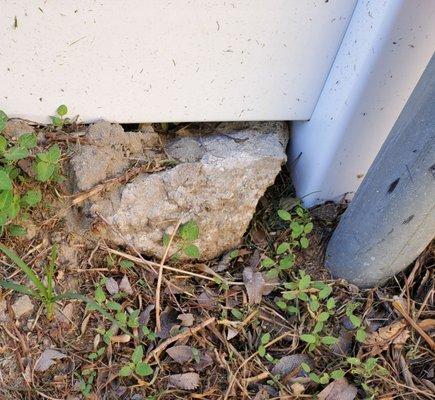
x: 197, y: 313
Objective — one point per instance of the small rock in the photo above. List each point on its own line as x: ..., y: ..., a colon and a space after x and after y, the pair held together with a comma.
x: 288, y: 364
x: 217, y: 183
x: 124, y: 285
x: 187, y: 381
x: 112, y: 286
x: 22, y: 306
x: 15, y: 128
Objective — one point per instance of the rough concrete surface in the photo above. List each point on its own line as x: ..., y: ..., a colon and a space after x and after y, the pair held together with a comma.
x: 111, y: 153
x: 217, y: 182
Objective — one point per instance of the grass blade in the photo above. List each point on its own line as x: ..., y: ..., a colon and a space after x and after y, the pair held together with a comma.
x: 25, y: 268
x: 9, y: 285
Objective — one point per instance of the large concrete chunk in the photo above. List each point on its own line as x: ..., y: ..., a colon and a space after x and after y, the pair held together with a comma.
x: 217, y: 182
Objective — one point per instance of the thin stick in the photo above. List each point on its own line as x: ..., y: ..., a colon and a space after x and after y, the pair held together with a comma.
x: 154, y: 264
x: 155, y: 353
x: 160, y: 276
x: 398, y: 306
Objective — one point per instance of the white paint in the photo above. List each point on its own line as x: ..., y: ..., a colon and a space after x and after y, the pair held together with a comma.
x: 156, y: 60
x: 385, y: 51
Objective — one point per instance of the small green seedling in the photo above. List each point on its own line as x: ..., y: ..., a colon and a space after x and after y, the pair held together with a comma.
x: 47, y: 165
x: 86, y: 381
x: 136, y: 365
x: 312, y: 293
x: 13, y: 205
x: 301, y: 226
x: 44, y: 291
x: 315, y: 340
x: 262, y: 349
x: 284, y: 258
x: 237, y: 314
x: 184, y: 240
x: 366, y: 369
x: 361, y: 334
x: 324, y: 378
x: 58, y: 120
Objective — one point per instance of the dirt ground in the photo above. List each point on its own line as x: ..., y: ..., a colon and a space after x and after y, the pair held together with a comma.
x: 228, y: 329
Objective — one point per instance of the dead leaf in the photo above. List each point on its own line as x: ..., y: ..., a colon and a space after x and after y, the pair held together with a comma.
x: 187, y: 381
x: 47, y: 359
x: 232, y: 333
x: 169, y: 321
x: 84, y: 324
x: 288, y: 364
x: 112, y: 286
x: 257, y: 285
x: 186, y: 319
x: 344, y: 343
x: 181, y: 354
x: 258, y: 236
x: 395, y: 333
x: 205, y: 360
x: 207, y: 300
x: 65, y: 316
x: 144, y: 316
x: 338, y: 390
x: 125, y: 286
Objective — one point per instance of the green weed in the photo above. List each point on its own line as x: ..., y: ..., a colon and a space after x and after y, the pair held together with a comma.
x: 13, y: 205
x: 59, y: 120
x: 43, y: 292
x: 136, y: 365
x: 184, y: 240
